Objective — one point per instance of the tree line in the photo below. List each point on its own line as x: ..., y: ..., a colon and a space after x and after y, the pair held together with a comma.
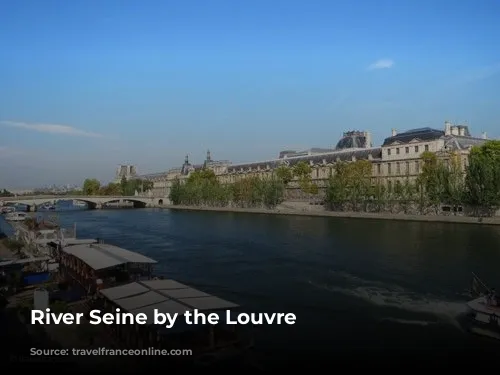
x: 92, y: 186
x: 442, y: 181
x: 6, y: 193
x: 202, y: 188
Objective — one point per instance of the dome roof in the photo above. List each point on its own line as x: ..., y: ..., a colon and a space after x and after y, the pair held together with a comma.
x: 352, y: 140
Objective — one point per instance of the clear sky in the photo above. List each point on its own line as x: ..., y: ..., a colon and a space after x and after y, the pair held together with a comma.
x: 86, y: 85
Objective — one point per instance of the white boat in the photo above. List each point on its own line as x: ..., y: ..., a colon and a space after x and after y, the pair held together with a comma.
x: 79, y: 203
x: 16, y: 216
x: 7, y: 209
x: 483, y: 312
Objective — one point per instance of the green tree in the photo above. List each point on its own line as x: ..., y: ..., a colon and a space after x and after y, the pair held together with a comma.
x: 274, y: 192
x: 6, y: 193
x: 454, y: 182
x: 302, y: 171
x: 124, y: 185
x: 482, y: 182
x: 351, y: 183
x: 405, y: 193
x: 175, y: 194
x: 284, y: 174
x: 432, y: 179
x: 337, y: 191
x: 359, y: 174
x: 91, y: 186
x: 379, y: 195
x: 147, y: 185
x: 111, y: 189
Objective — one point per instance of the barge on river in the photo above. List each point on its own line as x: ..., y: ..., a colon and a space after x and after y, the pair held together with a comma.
x: 110, y: 277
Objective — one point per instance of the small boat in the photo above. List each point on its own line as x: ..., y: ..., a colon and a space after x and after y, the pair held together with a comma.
x: 79, y: 203
x: 16, y: 216
x: 483, y: 312
x: 7, y: 209
x: 49, y: 207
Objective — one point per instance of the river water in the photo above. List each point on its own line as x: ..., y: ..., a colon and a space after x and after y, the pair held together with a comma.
x: 375, y: 289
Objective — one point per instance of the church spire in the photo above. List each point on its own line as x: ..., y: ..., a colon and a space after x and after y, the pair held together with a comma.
x: 208, y: 156
x: 186, y: 160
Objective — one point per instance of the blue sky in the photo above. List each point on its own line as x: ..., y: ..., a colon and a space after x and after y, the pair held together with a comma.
x: 86, y: 85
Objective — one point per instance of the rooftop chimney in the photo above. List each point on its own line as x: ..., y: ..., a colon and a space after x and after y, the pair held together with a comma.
x: 394, y: 132
x: 484, y: 136
x: 447, y: 128
x: 369, y: 143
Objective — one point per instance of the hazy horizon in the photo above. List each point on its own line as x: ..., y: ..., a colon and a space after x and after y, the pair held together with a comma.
x: 89, y: 85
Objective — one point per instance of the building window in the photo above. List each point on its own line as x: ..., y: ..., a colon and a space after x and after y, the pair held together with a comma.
x: 398, y: 169
x: 417, y: 167
x: 397, y: 151
x: 426, y: 147
x: 389, y: 168
x: 388, y: 151
x: 416, y: 148
x: 378, y: 169
x: 407, y: 171
x: 407, y: 150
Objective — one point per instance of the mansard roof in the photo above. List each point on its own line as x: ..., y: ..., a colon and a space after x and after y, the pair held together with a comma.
x: 330, y: 157
x: 352, y: 141
x: 421, y: 134
x: 455, y: 142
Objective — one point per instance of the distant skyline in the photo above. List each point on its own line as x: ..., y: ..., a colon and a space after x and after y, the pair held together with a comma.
x: 88, y: 85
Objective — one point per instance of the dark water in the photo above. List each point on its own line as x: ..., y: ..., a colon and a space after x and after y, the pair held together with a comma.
x: 372, y: 288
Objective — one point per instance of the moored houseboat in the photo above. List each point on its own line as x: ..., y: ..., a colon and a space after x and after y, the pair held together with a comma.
x: 209, y: 343
x: 96, y: 266
x: 16, y: 216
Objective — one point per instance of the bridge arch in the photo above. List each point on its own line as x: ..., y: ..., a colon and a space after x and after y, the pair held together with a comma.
x: 91, y: 204
x: 137, y: 202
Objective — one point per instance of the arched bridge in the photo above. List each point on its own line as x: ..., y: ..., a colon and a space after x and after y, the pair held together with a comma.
x: 93, y: 201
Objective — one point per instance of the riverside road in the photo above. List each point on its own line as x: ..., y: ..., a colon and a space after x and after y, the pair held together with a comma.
x: 379, y: 290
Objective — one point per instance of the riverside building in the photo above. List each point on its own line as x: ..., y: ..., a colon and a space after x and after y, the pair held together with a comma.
x: 397, y: 159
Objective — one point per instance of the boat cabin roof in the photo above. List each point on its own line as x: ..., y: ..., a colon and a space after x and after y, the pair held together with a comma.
x: 166, y: 296
x: 102, y: 256
x: 75, y: 241
x: 14, y: 262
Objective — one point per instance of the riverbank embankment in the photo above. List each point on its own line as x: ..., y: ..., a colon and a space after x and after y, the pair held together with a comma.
x: 301, y: 209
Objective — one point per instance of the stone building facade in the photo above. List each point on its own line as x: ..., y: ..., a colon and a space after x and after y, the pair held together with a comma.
x: 398, y: 158
x: 127, y: 171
